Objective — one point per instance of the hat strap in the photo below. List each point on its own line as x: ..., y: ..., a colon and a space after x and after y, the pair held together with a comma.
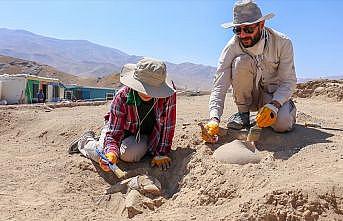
x: 131, y: 96
x: 138, y: 135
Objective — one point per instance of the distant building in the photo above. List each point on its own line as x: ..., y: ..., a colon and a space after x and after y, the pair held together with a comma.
x: 75, y: 92
x: 23, y: 88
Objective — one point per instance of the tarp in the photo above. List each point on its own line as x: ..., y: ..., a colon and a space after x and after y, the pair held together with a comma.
x: 29, y: 90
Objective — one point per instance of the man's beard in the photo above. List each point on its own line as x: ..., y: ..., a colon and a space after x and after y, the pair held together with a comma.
x: 254, y: 40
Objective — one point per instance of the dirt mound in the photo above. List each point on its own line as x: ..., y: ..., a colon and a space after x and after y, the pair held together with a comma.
x: 299, y: 176
x: 292, y: 205
x: 329, y: 88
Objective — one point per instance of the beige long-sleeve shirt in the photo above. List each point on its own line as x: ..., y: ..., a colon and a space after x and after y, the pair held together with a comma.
x: 274, y: 55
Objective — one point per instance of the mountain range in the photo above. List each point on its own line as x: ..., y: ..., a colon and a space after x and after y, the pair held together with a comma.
x: 86, y: 59
x: 94, y: 64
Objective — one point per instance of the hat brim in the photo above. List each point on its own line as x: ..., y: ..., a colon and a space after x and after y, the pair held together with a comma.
x: 231, y: 24
x: 127, y: 78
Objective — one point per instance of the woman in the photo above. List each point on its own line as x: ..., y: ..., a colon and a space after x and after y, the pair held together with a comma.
x: 142, y: 118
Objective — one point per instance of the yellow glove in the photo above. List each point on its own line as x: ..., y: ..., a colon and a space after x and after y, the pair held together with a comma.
x: 209, y: 132
x: 212, y: 128
x: 163, y: 162
x: 266, y: 116
x: 112, y: 157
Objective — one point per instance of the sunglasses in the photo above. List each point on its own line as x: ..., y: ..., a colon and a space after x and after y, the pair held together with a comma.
x: 247, y: 29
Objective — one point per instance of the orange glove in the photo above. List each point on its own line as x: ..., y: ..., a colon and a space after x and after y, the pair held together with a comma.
x: 212, y: 127
x: 112, y: 157
x: 209, y: 132
x: 163, y: 162
x: 266, y: 116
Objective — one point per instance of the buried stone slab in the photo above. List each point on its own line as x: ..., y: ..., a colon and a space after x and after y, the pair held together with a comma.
x: 136, y: 203
x: 143, y: 192
x: 146, y: 185
x: 237, y: 152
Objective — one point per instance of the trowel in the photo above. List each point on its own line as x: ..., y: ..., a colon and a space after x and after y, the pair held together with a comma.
x: 254, y: 135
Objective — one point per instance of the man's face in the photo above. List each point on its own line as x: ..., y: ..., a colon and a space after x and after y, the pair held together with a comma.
x: 249, y: 35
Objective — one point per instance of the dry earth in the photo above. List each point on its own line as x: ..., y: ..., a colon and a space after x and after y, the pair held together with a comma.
x: 299, y: 178
x: 321, y: 88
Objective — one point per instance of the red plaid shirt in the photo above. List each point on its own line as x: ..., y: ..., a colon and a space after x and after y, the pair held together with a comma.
x: 123, y: 117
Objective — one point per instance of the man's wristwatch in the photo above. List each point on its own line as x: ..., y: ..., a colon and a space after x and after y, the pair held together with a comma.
x: 275, y: 104
x: 215, y: 119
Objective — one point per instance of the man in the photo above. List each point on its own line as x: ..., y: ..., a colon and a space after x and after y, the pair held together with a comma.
x: 142, y: 118
x: 258, y: 63
x: 40, y: 96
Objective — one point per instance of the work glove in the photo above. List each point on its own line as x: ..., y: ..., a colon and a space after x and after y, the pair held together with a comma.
x: 209, y: 132
x: 266, y: 116
x: 111, y: 157
x: 163, y: 162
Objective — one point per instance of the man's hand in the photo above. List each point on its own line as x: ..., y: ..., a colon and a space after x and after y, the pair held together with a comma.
x: 209, y: 132
x: 163, y: 162
x: 112, y: 157
x: 267, y: 115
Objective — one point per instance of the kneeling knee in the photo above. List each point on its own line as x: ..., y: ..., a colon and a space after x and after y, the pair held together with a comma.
x: 282, y: 126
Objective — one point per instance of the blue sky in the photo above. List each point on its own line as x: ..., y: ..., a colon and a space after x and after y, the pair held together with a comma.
x: 184, y: 30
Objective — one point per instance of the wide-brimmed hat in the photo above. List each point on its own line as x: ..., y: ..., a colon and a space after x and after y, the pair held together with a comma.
x: 148, y: 76
x: 246, y: 12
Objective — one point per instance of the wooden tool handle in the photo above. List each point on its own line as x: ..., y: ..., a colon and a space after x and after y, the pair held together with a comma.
x: 254, y: 133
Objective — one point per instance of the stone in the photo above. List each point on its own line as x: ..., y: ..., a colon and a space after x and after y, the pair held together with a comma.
x: 319, y: 90
x: 146, y: 185
x: 307, y: 213
x: 237, y: 152
x: 133, y: 203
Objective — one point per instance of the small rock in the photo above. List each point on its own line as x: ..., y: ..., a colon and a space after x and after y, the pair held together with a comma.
x: 307, y: 213
x: 43, y: 133
x: 150, y: 188
x: 184, y: 136
x: 158, y: 201
x: 300, y: 209
x: 148, y: 203
x: 133, y: 203
x: 318, y: 90
x: 145, y: 185
x: 315, y: 215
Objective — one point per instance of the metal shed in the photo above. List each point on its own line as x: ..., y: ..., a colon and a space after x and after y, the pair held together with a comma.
x: 75, y: 92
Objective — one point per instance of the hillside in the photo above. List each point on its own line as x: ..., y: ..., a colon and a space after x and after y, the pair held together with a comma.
x: 111, y: 81
x: 10, y: 65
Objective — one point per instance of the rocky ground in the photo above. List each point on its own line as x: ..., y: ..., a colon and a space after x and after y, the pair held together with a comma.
x: 300, y: 176
x: 321, y: 88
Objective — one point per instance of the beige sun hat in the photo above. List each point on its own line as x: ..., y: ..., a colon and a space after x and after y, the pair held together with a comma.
x: 246, y: 12
x: 148, y: 76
